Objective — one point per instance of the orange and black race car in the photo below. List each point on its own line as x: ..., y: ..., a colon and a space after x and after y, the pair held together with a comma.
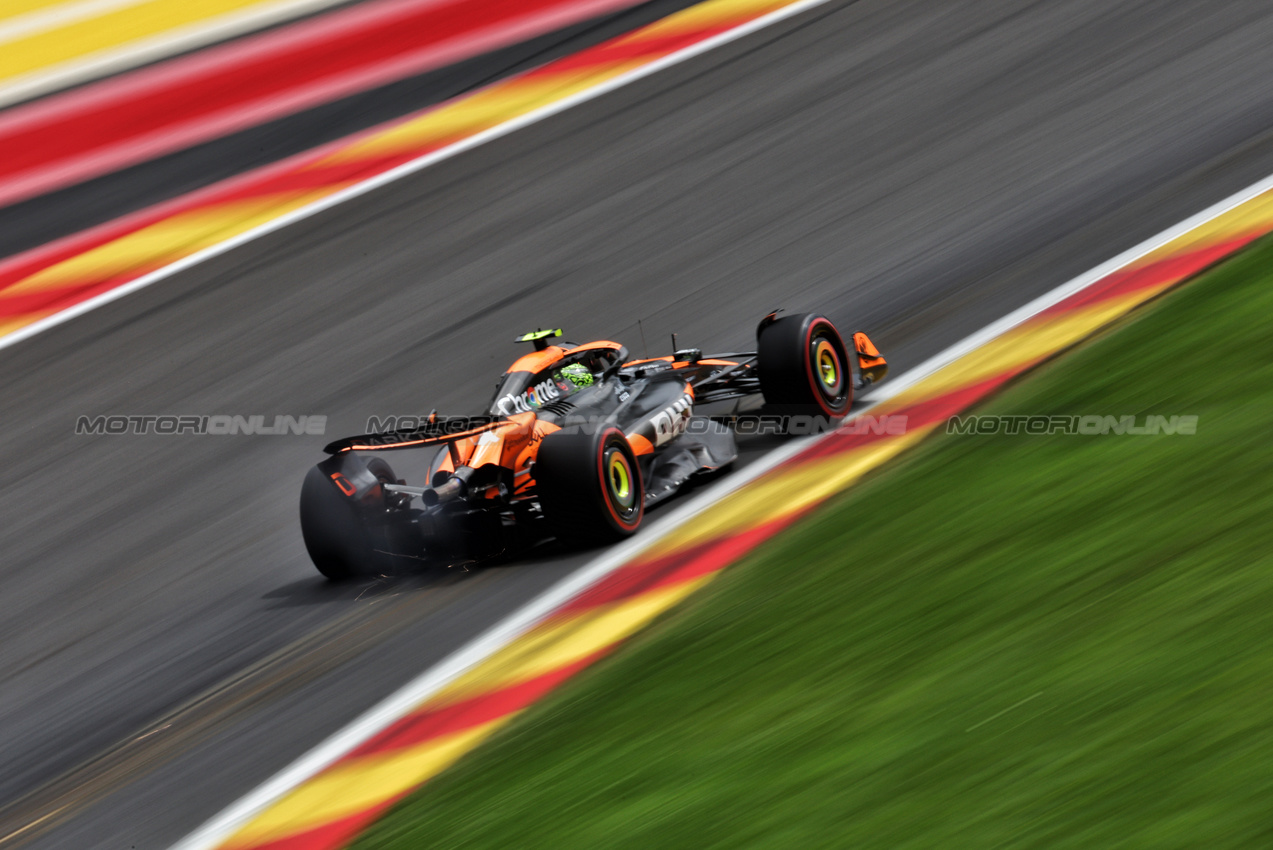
x: 577, y: 443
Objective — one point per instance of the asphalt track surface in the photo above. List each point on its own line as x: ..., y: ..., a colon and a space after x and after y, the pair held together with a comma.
x: 913, y: 170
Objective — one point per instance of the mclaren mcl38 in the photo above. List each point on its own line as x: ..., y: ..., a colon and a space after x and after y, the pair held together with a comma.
x: 577, y: 443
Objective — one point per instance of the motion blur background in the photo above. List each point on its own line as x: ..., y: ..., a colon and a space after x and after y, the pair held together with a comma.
x: 912, y: 168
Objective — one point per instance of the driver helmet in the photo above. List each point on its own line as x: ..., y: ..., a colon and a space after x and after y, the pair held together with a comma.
x: 577, y: 374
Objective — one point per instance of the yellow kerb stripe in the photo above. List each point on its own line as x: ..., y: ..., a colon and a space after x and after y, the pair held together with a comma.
x: 475, y: 113
x: 710, y: 14
x: 166, y: 241
x: 1255, y: 217
x: 561, y: 642
x: 1022, y: 346
x: 357, y: 785
x: 363, y: 783
x: 14, y: 8
x: 8, y: 326
x: 784, y: 492
x: 119, y: 26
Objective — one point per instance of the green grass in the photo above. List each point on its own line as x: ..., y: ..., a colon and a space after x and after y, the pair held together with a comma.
x: 1002, y: 641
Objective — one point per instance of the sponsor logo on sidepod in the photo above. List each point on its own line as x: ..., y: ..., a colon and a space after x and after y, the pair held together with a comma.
x: 671, y: 421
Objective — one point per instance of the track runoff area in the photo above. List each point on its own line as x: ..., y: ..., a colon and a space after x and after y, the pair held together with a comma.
x: 333, y: 793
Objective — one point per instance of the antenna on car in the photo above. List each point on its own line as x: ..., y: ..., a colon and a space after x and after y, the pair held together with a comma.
x: 644, y: 347
x: 674, y: 343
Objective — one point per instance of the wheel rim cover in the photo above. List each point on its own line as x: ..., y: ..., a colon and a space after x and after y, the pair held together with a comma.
x: 826, y: 365
x: 619, y: 478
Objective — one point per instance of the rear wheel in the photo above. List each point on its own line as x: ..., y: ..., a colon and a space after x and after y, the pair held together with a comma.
x: 337, y: 536
x: 589, y: 486
x: 804, y: 366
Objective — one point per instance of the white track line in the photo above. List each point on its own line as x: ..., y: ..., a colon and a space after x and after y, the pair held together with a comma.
x: 501, y: 634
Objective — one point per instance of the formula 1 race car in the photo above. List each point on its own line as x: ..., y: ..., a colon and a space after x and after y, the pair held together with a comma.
x: 577, y: 443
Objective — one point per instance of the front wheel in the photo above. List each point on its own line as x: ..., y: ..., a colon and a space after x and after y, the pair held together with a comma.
x: 589, y: 486
x: 804, y: 366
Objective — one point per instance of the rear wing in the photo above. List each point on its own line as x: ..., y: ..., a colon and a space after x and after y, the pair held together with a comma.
x: 436, y: 431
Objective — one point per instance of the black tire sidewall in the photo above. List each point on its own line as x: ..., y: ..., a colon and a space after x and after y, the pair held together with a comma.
x: 332, y: 525
x: 570, y: 475
x: 788, y: 379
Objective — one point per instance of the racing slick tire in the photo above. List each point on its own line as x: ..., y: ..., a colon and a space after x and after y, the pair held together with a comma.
x: 804, y: 366
x: 589, y: 486
x: 336, y: 534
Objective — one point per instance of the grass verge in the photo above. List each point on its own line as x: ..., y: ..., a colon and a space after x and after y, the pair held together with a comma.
x: 1007, y: 641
